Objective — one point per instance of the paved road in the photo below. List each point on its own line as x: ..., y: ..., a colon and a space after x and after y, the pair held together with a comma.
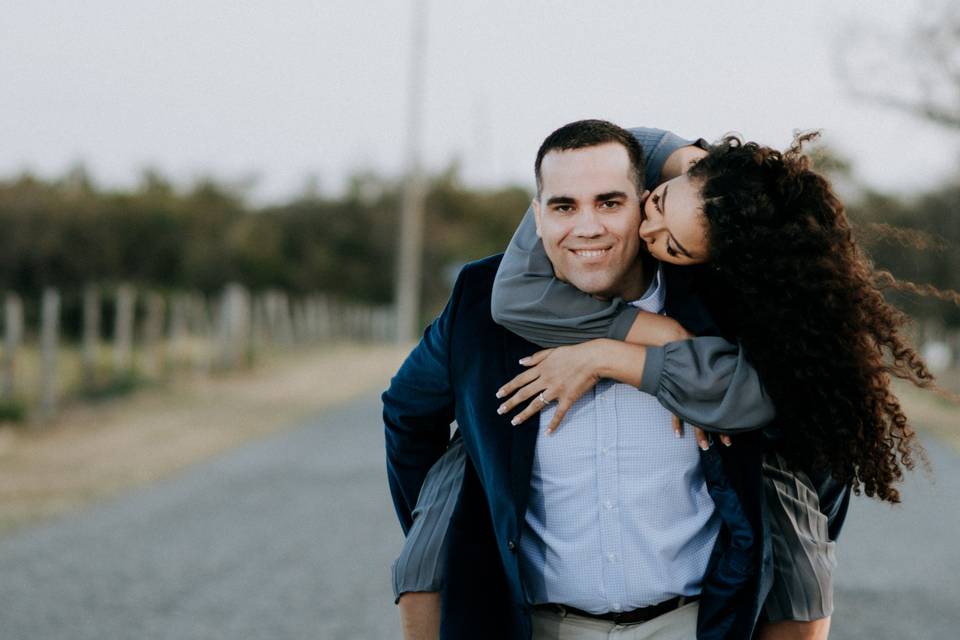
x: 899, y: 566
x: 287, y: 537
x: 291, y: 537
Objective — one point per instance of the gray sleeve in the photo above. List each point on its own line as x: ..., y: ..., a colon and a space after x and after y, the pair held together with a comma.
x: 708, y: 382
x: 528, y: 300
x: 657, y: 145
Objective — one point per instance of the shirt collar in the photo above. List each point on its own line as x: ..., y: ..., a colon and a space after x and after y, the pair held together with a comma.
x: 655, y: 296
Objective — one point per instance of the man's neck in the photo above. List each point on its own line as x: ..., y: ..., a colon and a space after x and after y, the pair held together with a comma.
x: 638, y: 280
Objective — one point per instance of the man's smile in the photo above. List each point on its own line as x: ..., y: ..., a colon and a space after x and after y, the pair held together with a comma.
x: 591, y: 253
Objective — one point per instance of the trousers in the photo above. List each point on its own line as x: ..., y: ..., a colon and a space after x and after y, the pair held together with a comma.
x: 679, y: 624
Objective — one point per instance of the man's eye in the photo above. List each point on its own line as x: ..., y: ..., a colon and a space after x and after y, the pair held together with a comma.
x: 610, y: 204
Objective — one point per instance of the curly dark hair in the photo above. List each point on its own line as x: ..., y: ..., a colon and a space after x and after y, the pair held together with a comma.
x: 805, y: 302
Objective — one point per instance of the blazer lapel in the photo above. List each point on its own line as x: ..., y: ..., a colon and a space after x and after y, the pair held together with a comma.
x: 524, y: 438
x: 681, y: 303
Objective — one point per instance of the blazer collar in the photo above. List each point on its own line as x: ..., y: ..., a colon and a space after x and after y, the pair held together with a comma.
x: 682, y: 303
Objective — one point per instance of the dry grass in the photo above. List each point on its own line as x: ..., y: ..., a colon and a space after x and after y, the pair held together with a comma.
x: 95, y: 450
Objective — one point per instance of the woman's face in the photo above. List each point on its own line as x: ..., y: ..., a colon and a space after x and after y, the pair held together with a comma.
x: 672, y: 223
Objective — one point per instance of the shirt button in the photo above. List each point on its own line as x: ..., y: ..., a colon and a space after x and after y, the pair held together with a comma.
x: 611, y: 557
x: 616, y: 606
x: 511, y: 545
x: 604, y: 451
x: 608, y: 504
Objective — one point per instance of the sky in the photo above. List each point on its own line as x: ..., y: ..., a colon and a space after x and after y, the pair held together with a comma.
x: 273, y: 94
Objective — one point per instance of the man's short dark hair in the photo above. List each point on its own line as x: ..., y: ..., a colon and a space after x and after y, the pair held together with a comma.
x: 590, y: 133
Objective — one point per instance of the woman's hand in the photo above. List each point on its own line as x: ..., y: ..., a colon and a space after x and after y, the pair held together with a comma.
x: 558, y: 375
x: 699, y: 434
x: 564, y: 374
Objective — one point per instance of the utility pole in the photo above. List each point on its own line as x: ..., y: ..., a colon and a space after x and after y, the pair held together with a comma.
x: 410, y: 254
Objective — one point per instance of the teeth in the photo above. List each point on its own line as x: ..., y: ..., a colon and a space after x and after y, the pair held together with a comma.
x: 591, y: 254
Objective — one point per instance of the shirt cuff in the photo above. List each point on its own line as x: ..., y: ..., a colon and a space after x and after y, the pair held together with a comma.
x: 622, y: 323
x: 652, y: 370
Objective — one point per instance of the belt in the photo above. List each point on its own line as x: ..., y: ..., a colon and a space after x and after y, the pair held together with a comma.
x: 643, y: 614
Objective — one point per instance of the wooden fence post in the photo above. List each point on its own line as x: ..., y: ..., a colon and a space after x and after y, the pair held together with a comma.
x: 234, y: 326
x: 301, y: 321
x: 324, y: 332
x: 89, y: 354
x: 13, y: 334
x: 202, y: 346
x: 178, y: 332
x: 153, y: 325
x: 49, y: 342
x: 260, y: 322
x: 123, y: 330
x: 278, y: 311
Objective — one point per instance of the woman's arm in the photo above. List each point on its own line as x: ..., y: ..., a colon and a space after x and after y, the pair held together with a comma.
x: 652, y: 329
x: 705, y: 381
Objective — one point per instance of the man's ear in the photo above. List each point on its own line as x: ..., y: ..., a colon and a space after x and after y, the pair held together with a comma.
x: 536, y: 213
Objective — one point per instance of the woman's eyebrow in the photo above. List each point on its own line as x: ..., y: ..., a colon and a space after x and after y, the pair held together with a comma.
x: 663, y: 212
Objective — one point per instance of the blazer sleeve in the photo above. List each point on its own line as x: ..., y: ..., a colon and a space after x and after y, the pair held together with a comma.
x: 418, y: 409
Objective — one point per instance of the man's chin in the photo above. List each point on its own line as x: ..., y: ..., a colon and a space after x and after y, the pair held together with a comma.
x: 596, y: 289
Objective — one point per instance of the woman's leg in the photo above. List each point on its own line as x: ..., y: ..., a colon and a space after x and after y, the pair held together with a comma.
x: 418, y: 572
x: 800, y: 602
x: 795, y: 630
x: 420, y: 615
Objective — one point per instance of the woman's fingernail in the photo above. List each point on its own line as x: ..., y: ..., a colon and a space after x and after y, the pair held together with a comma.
x: 704, y: 445
x: 515, y: 421
x: 501, y: 409
x: 676, y: 434
x: 500, y: 393
x: 727, y: 443
x: 524, y: 360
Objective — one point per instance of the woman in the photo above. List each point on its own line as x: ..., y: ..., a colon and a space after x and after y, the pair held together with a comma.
x: 787, y: 281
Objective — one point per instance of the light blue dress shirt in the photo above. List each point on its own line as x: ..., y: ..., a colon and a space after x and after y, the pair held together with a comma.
x: 619, y: 516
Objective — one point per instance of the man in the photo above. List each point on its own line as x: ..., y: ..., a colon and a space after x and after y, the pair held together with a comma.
x: 589, y: 188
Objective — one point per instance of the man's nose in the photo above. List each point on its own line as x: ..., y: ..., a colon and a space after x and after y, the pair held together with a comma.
x: 589, y: 224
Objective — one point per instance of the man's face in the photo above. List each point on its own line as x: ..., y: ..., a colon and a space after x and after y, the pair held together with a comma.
x: 588, y: 214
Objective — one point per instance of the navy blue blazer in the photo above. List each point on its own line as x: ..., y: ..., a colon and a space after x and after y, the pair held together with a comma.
x: 453, y: 374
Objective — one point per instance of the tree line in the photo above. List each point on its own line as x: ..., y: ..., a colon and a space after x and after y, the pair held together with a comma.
x: 68, y: 232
